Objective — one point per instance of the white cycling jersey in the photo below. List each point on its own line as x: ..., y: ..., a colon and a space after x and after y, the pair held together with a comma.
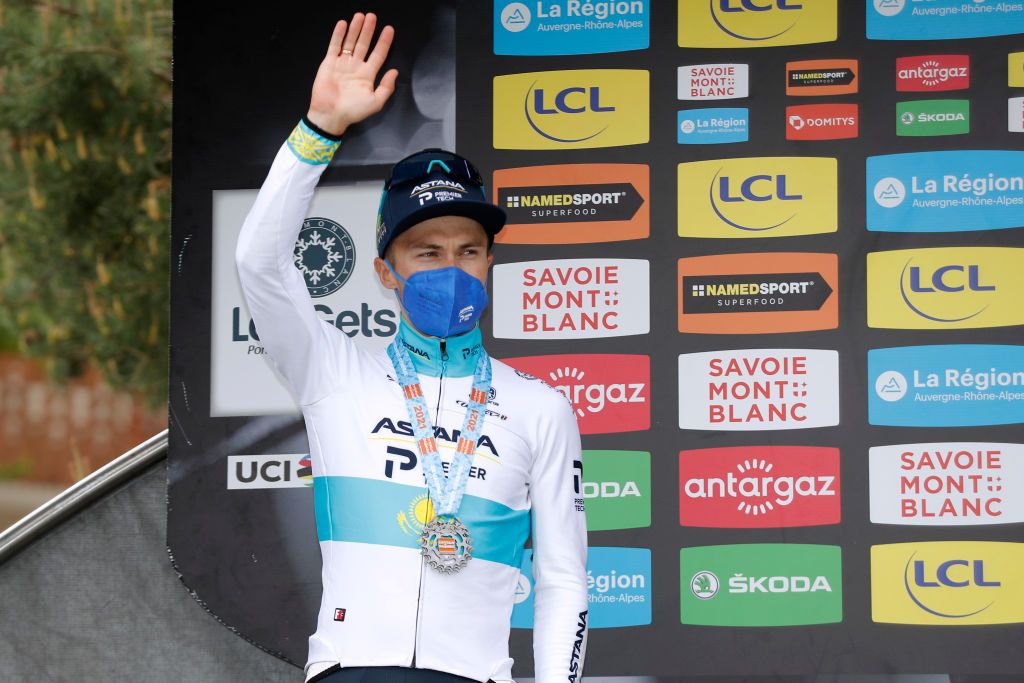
x: 381, y: 604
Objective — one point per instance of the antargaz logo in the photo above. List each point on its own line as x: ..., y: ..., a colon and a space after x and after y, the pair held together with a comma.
x: 610, y: 392
x: 571, y: 109
x: 948, y: 583
x: 763, y: 584
x: 325, y: 255
x: 933, y: 72
x: 574, y: 203
x: 617, y: 489
x: 758, y: 197
x: 945, y: 287
x: 730, y: 294
x: 822, y: 77
x: 756, y: 23
x: 933, y: 117
x: 759, y: 486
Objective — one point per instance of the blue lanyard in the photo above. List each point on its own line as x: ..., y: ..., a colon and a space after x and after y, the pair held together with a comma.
x: 446, y: 491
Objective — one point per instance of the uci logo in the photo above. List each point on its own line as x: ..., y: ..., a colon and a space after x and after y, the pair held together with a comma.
x: 947, y: 279
x: 567, y: 101
x: 922, y: 581
x: 727, y: 190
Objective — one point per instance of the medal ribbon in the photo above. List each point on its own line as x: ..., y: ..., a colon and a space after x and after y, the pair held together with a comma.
x: 446, y: 491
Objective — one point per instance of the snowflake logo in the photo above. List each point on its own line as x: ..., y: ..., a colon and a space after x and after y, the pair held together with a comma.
x: 325, y: 255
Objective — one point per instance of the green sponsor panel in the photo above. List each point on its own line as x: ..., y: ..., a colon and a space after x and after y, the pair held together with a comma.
x: 763, y: 584
x: 933, y: 117
x: 617, y: 489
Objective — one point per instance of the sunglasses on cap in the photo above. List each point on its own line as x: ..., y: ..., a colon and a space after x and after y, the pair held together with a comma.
x: 422, y: 164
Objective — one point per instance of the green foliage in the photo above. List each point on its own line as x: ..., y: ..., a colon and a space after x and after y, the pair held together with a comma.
x: 85, y: 157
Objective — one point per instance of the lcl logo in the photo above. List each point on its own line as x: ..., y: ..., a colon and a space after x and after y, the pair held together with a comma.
x: 591, y: 101
x: 939, y: 281
x: 768, y: 187
x: 752, y: 6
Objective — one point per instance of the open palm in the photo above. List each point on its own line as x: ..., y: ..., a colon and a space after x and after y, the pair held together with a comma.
x: 343, y: 91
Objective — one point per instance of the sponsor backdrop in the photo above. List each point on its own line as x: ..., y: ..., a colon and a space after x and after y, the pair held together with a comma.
x: 770, y: 251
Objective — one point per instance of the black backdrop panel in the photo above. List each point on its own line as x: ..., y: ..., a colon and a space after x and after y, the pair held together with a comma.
x: 242, y: 80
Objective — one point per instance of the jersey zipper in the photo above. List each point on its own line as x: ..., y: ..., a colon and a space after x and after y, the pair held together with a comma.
x: 437, y: 418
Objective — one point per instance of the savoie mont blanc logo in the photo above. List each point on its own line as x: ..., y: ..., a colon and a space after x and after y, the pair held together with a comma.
x: 953, y: 385
x: 756, y: 23
x: 571, y: 109
x: 945, y: 191
x: 759, y: 389
x: 758, y: 197
x: 570, y: 27
x: 763, y: 584
x: 947, y: 484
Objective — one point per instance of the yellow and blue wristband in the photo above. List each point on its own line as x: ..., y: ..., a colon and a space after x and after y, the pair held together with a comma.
x: 312, y: 144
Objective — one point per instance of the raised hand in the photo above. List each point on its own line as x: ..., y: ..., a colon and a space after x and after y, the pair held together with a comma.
x: 343, y: 91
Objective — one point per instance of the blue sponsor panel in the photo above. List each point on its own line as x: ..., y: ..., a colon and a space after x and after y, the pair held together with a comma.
x: 570, y: 27
x: 712, y: 126
x: 937, y: 19
x: 618, y: 582
x: 955, y: 385
x: 945, y: 191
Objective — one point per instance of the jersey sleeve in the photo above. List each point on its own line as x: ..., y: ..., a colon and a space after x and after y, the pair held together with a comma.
x: 309, y: 352
x: 559, y: 548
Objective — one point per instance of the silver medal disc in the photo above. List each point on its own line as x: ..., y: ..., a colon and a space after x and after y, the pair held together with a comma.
x: 446, y: 544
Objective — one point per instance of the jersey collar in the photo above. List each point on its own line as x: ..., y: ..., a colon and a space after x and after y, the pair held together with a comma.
x: 457, y: 360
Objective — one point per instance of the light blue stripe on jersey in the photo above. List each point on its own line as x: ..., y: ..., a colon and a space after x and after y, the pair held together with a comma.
x: 360, y: 510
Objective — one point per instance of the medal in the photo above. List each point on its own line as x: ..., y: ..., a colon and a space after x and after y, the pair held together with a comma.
x: 446, y: 544
x: 445, y: 541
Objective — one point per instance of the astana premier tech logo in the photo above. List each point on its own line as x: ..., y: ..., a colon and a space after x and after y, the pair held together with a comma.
x: 945, y: 288
x: 945, y: 191
x: 953, y: 385
x: 939, y: 19
x: 571, y: 109
x: 947, y: 484
x: 756, y: 23
x: 758, y: 197
x: 570, y: 27
x: 618, y: 582
x: 948, y: 583
x: 761, y: 584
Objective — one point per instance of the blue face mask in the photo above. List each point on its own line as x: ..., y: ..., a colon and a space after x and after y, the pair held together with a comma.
x: 443, y: 302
